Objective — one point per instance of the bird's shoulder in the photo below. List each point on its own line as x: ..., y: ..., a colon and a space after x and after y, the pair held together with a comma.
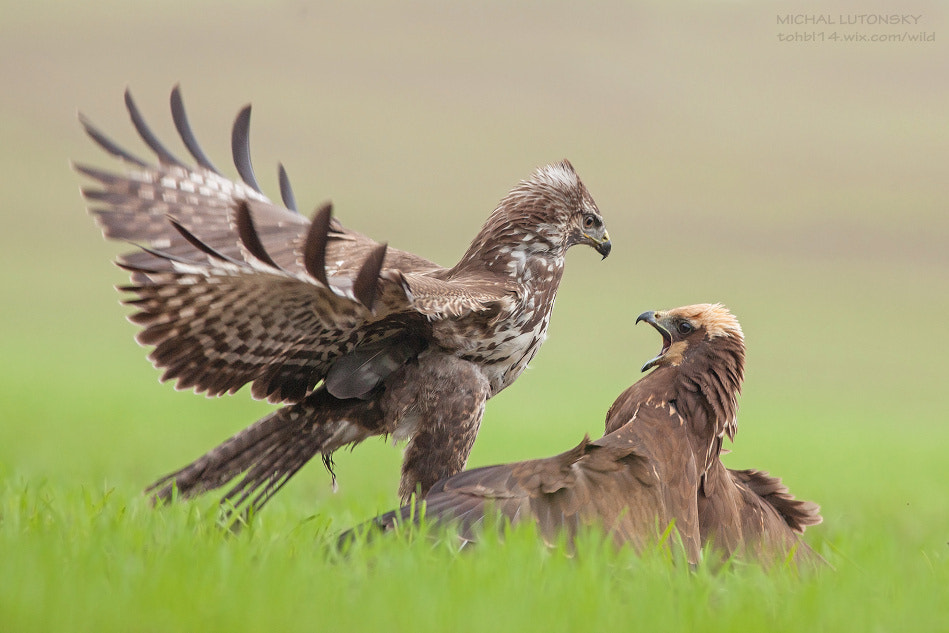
x: 651, y: 399
x: 437, y: 293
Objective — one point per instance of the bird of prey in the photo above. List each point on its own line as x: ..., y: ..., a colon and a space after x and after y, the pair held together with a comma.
x: 658, y: 463
x: 357, y: 339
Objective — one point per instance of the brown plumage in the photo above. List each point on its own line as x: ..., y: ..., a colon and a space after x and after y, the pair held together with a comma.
x: 657, y: 464
x: 357, y: 338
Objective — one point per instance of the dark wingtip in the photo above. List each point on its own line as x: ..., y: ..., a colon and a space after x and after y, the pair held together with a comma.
x: 141, y: 268
x: 108, y: 144
x: 91, y: 172
x: 240, y: 147
x: 314, y: 248
x: 180, y: 117
x: 192, y: 239
x: 366, y: 287
x: 249, y: 236
x: 164, y: 156
x: 286, y: 191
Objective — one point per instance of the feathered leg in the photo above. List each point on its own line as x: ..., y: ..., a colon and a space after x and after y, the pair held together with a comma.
x: 449, y: 416
x: 272, y: 450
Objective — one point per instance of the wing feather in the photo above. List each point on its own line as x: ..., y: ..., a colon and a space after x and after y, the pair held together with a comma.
x: 108, y: 144
x: 797, y: 514
x: 231, y: 289
x: 218, y: 328
x: 180, y: 117
x: 365, y: 287
x: 249, y: 237
x: 240, y: 147
x: 314, y: 245
x: 192, y: 239
x: 438, y: 298
x: 286, y: 191
x: 164, y: 156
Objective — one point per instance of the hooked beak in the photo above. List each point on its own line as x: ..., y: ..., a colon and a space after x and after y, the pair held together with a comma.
x: 650, y: 318
x: 603, y: 245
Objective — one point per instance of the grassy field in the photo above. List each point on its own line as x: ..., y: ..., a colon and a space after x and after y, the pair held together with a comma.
x: 803, y: 185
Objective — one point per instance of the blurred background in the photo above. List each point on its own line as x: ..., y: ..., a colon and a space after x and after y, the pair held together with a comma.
x: 801, y: 183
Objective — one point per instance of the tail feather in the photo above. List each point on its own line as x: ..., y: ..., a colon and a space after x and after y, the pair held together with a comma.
x: 271, y: 472
x: 222, y: 463
x: 262, y: 458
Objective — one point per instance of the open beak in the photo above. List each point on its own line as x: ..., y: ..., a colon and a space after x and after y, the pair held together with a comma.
x: 603, y: 245
x: 650, y: 318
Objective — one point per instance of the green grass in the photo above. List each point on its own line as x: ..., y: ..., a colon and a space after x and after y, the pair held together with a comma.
x: 804, y: 187
x: 80, y: 548
x: 108, y: 561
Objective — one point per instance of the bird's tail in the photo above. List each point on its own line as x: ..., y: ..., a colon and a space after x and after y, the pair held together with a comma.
x: 264, y: 456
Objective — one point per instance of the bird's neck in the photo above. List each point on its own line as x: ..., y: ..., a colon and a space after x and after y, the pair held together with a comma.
x: 515, y: 254
x: 517, y: 231
x: 708, y: 406
x: 708, y: 385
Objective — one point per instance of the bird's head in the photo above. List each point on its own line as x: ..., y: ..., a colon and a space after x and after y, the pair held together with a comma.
x: 545, y: 214
x: 692, y: 332
x: 704, y: 347
x: 565, y: 212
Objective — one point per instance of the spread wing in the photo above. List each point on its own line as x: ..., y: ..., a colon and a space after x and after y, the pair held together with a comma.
x: 233, y: 289
x: 559, y: 493
x: 612, y: 482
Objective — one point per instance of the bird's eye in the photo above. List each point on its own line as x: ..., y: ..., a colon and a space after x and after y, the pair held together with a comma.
x: 685, y: 327
x: 589, y: 221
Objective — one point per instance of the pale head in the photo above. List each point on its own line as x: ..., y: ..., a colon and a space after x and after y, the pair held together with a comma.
x: 703, y: 345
